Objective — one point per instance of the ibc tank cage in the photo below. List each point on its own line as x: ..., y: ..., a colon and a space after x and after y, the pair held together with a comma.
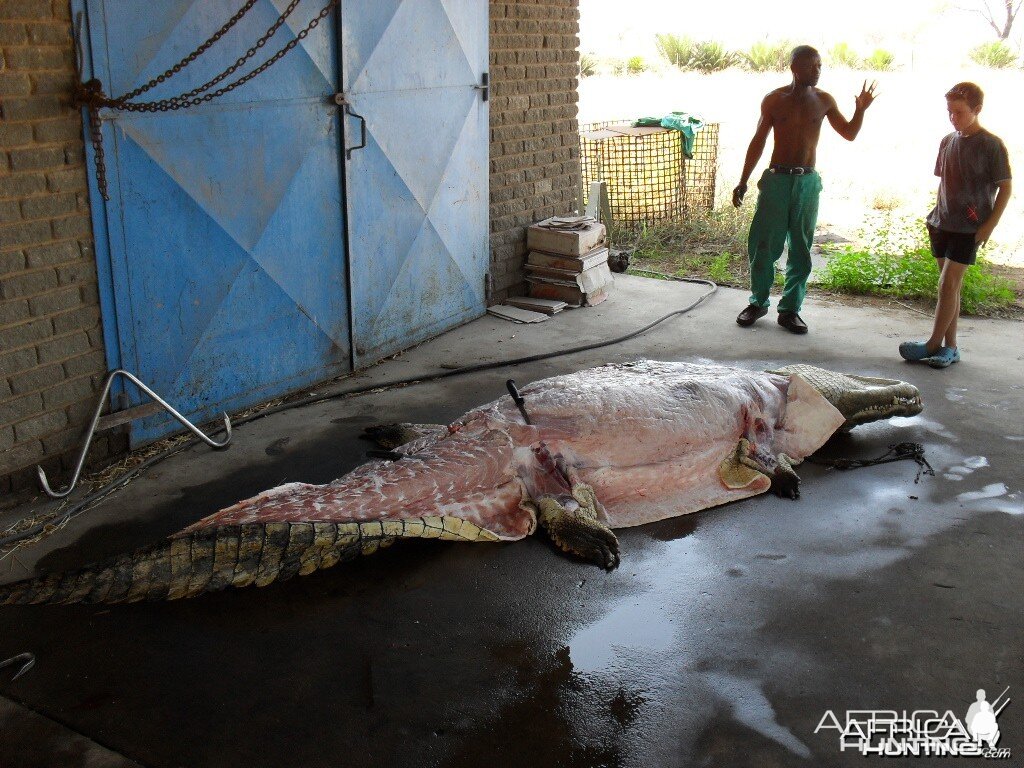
x: 649, y: 178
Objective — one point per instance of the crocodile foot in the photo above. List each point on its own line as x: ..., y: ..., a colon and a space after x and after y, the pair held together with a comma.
x: 571, y: 522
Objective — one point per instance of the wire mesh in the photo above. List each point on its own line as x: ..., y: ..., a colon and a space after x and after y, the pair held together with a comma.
x: 648, y: 177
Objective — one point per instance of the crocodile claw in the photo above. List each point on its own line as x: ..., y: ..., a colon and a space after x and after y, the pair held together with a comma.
x: 592, y: 542
x: 572, y: 524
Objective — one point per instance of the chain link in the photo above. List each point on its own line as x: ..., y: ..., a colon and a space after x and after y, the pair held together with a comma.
x: 91, y: 96
x: 192, y: 56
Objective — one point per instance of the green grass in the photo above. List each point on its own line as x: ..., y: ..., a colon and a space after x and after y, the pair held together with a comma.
x: 912, y: 275
x: 895, y: 260
x: 710, y: 244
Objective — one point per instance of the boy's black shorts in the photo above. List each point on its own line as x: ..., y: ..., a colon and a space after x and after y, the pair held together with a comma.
x: 955, y: 246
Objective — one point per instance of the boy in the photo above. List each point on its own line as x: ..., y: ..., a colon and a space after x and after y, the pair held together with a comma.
x: 974, y: 188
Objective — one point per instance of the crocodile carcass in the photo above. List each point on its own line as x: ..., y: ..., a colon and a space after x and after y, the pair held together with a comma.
x: 603, y: 448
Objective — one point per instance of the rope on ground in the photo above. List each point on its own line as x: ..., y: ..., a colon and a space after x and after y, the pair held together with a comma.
x: 896, y: 452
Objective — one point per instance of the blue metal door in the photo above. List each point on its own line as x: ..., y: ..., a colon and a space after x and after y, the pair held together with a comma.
x: 417, y: 191
x: 227, y: 280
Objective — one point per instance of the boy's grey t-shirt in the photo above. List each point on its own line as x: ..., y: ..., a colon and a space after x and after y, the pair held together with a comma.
x: 968, y: 168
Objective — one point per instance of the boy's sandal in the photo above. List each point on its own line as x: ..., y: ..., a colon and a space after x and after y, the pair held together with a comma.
x: 914, y: 351
x: 944, y: 358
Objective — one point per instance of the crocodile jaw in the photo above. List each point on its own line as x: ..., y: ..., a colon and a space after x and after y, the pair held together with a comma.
x: 861, y: 399
x: 880, y: 399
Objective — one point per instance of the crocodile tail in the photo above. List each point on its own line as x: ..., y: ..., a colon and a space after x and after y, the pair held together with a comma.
x: 206, y: 560
x: 211, y: 559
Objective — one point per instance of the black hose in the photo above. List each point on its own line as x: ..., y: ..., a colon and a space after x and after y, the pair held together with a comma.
x: 113, y: 485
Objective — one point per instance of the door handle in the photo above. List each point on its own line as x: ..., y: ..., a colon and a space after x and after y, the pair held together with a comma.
x: 362, y: 131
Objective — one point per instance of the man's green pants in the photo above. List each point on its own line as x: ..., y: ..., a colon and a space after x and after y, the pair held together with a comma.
x: 787, y: 208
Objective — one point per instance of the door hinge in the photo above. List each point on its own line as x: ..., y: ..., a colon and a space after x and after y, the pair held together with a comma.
x: 485, y: 86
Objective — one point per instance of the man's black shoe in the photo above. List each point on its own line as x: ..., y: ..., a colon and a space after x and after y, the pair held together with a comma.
x: 791, y: 322
x: 750, y: 314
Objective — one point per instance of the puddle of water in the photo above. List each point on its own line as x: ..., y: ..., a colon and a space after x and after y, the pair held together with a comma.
x: 630, y: 628
x: 995, y: 497
x: 677, y: 631
x: 1016, y: 506
x: 990, y: 491
x: 751, y: 707
x: 971, y: 463
x: 927, y: 424
x: 956, y: 394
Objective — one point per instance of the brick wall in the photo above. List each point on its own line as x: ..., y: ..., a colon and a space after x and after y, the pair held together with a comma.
x: 51, y: 345
x: 535, y: 168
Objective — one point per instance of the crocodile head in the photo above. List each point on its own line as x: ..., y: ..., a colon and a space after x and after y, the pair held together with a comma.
x: 861, y: 399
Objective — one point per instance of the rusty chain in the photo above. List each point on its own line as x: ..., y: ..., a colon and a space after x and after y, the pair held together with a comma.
x: 90, y: 94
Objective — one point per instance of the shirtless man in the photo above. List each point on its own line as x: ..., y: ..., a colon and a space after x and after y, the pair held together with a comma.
x: 787, y: 207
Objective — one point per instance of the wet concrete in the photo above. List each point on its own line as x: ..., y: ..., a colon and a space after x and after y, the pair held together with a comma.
x: 722, y: 639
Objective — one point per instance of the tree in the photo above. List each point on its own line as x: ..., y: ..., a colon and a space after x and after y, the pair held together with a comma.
x: 999, y: 14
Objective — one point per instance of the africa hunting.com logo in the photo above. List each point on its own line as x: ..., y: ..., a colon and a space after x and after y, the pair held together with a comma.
x: 922, y: 732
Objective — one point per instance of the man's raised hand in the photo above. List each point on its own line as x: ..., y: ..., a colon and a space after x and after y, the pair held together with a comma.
x: 867, y: 95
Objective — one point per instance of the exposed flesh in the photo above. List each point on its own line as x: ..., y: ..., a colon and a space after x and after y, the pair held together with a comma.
x: 649, y: 437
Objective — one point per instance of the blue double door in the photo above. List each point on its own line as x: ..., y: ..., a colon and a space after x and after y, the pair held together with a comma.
x: 325, y: 214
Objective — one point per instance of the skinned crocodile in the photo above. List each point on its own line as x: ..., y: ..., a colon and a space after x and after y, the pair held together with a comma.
x: 608, y: 447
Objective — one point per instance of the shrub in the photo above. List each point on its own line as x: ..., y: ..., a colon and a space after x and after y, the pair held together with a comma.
x: 880, y: 61
x: 842, y: 55
x: 711, y: 56
x: 704, y: 56
x: 677, y: 50
x: 897, y: 261
x: 635, y: 65
x: 995, y: 55
x: 588, y: 65
x: 768, y: 57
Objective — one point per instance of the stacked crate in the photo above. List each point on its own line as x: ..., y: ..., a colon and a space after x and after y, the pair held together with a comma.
x: 568, y: 261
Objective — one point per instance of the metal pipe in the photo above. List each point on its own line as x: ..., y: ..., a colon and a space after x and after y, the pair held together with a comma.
x: 96, y: 417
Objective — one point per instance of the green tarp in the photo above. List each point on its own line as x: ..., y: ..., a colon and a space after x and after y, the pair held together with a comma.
x: 684, y: 122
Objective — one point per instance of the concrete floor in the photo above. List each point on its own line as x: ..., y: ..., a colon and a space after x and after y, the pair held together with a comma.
x: 722, y: 639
